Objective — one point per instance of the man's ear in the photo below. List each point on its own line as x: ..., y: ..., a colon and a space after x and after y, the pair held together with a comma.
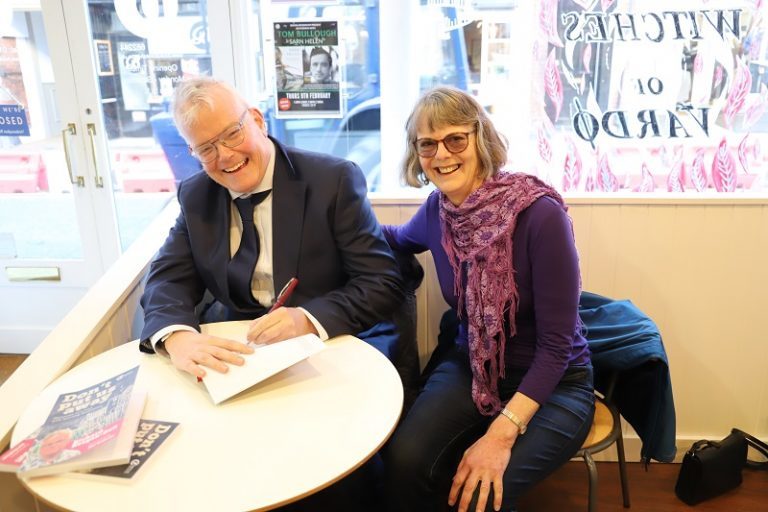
x: 259, y: 118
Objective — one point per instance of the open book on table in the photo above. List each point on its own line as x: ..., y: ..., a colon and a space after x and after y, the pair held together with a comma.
x: 87, y: 428
x: 265, y: 361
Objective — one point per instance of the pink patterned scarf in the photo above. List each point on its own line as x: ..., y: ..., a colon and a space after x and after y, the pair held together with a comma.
x: 478, y: 233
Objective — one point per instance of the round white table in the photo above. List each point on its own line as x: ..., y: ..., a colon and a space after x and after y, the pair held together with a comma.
x: 286, y: 438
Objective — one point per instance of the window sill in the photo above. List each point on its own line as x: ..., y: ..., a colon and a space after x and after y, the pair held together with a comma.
x: 602, y: 198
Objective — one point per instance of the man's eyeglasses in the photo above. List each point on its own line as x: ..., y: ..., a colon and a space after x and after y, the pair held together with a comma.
x: 232, y: 136
x: 453, y: 142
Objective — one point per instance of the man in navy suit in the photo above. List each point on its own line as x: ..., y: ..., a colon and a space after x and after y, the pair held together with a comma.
x: 315, y: 224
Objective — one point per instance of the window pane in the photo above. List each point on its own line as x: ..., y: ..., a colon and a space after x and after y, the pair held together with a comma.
x: 355, y: 132
x: 141, y: 56
x: 660, y: 101
x: 616, y: 96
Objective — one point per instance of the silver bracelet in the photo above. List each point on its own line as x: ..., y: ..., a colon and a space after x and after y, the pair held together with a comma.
x: 522, y: 427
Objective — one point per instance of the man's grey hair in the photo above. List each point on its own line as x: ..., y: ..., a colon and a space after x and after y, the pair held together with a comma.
x: 193, y: 95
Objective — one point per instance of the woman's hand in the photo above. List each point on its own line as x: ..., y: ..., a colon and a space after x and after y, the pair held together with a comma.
x: 484, y: 462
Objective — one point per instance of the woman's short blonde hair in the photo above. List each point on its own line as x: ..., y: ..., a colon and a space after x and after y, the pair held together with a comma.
x: 447, y: 106
x: 194, y: 95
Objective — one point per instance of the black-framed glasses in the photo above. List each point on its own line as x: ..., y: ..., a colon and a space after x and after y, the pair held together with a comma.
x: 233, y: 135
x: 453, y: 142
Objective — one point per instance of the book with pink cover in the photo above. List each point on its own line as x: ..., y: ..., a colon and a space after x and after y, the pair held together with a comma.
x: 88, y: 428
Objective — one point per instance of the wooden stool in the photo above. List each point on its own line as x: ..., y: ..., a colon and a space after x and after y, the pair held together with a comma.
x: 606, y: 430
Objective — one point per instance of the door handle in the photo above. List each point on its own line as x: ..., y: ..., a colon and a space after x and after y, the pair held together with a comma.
x: 65, y: 133
x: 92, y: 135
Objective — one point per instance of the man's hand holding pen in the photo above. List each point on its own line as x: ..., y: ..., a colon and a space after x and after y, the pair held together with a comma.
x: 280, y: 323
x: 192, y: 352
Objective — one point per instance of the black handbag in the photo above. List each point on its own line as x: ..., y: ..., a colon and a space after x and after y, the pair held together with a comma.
x: 711, y: 468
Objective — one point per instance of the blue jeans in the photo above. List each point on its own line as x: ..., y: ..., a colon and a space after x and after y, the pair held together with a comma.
x: 422, y: 456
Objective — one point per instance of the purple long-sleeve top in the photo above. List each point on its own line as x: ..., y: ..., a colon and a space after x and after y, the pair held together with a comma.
x: 546, y: 266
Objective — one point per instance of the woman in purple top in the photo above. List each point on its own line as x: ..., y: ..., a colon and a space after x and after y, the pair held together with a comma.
x: 513, y: 399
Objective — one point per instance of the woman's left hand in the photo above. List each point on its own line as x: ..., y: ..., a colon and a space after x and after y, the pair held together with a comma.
x: 484, y: 462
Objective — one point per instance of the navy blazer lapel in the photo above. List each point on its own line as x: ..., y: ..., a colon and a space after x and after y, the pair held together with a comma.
x: 220, y: 256
x: 288, y: 202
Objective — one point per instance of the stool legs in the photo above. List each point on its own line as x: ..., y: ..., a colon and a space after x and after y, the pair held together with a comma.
x: 622, y: 470
x: 592, y: 468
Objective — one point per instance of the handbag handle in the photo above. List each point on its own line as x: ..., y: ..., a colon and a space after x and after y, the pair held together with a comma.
x: 757, y: 445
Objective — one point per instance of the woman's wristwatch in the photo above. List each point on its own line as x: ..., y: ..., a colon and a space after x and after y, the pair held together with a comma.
x: 522, y: 427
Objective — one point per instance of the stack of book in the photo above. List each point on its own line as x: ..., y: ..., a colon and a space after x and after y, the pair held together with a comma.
x: 97, y: 429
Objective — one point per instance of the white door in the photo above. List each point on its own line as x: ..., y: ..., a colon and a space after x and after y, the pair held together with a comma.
x: 50, y: 251
x: 88, y: 155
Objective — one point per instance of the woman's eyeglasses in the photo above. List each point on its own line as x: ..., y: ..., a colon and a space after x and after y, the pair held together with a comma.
x: 453, y: 142
x: 232, y: 136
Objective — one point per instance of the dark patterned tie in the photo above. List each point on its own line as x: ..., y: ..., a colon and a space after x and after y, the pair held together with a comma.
x: 243, y: 263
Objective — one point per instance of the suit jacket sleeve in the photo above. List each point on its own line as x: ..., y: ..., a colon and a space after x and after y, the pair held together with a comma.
x: 174, y: 286
x: 374, y: 286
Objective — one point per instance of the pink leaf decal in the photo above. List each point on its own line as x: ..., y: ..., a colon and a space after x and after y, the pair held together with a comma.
x: 586, y: 58
x: 589, y: 185
x: 606, y: 180
x: 742, y: 81
x: 698, y: 172
x: 548, y: 22
x: 646, y: 184
x: 724, y: 169
x: 753, y: 111
x: 605, y: 4
x: 544, y: 17
x: 572, y: 168
x: 718, y: 76
x: 547, y: 124
x: 553, y: 86
x: 698, y: 63
x: 675, y: 177
x: 742, y: 151
x: 542, y: 140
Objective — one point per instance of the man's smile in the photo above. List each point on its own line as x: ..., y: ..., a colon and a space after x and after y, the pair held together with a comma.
x: 230, y: 170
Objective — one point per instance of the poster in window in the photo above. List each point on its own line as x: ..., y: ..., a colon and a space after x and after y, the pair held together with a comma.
x: 132, y: 56
x: 307, y: 69
x: 165, y: 73
x: 14, y: 121
x: 104, y: 65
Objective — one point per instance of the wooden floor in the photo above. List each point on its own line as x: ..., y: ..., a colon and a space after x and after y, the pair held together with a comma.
x: 8, y: 364
x: 651, y: 491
